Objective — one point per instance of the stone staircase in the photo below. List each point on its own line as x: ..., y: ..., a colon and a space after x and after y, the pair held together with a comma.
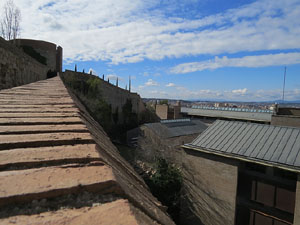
x: 57, y: 165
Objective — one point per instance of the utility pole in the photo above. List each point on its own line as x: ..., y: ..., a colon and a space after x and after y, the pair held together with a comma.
x: 283, y: 84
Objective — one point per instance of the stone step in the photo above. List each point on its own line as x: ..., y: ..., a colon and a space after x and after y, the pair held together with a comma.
x: 36, y: 101
x: 12, y: 106
x: 38, y: 96
x: 30, y: 157
x: 41, y: 140
x: 113, y: 213
x: 39, y: 121
x: 79, y: 128
x: 34, y: 110
x: 22, y: 186
x: 37, y: 115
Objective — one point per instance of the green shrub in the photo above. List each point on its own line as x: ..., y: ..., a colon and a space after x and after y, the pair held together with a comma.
x: 94, y: 87
x: 165, y: 184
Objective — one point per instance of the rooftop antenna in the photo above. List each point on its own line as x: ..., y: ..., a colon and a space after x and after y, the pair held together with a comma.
x: 283, y: 84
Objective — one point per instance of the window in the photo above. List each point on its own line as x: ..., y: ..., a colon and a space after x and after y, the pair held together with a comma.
x: 265, y: 193
x: 285, y: 200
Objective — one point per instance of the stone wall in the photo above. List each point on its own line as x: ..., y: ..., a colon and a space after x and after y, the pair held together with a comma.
x: 162, y: 111
x: 288, y: 111
x: 209, y: 189
x: 150, y: 145
x: 17, y: 68
x: 46, y: 49
x: 113, y: 95
x: 291, y: 121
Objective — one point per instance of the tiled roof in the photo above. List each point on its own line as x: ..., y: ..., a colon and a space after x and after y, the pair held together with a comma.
x: 257, y: 142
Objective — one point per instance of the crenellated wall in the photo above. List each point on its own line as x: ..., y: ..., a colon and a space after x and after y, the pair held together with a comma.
x: 17, y: 68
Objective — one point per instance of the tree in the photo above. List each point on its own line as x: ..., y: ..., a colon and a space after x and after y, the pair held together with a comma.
x: 10, y: 22
x: 162, y: 102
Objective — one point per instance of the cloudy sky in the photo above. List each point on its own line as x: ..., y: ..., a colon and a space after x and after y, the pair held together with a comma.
x: 191, y: 49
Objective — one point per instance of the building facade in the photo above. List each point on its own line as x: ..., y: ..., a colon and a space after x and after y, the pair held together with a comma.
x: 243, y: 173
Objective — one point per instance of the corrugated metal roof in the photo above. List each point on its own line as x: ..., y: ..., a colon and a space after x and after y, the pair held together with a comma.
x: 169, y: 130
x: 258, y: 142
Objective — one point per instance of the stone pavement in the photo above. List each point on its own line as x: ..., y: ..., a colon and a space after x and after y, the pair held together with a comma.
x: 57, y: 165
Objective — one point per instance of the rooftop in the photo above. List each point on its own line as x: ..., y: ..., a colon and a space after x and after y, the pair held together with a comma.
x: 266, y: 144
x: 175, y: 128
x: 230, y: 113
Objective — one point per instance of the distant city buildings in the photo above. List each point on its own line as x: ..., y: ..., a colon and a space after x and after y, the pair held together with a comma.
x: 168, y: 111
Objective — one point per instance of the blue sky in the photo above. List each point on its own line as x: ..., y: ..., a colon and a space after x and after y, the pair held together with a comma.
x: 192, y: 49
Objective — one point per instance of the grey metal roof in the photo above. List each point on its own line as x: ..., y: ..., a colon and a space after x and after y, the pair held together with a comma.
x: 168, y: 130
x: 257, y: 142
x: 243, y: 115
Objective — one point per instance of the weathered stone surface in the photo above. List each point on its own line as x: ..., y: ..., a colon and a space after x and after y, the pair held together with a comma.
x: 37, y: 121
x: 37, y: 115
x: 12, y: 106
x: 115, y: 213
x: 39, y: 140
x: 36, y: 109
x: 17, y: 68
x: 74, y: 128
x: 210, y: 187
x: 56, y: 151
x: 33, y: 156
x: 38, y: 102
x: 26, y: 185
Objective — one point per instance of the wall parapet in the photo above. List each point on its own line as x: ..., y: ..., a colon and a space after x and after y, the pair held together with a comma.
x: 112, y: 94
x: 17, y: 68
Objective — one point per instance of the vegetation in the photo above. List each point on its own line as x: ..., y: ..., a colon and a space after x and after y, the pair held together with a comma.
x: 10, y: 21
x: 130, y: 118
x: 88, y: 90
x: 162, y: 102
x: 34, y: 54
x: 165, y: 184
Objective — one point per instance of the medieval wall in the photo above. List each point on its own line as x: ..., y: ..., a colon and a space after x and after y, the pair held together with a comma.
x: 46, y: 49
x: 112, y: 94
x: 209, y: 189
x: 17, y: 68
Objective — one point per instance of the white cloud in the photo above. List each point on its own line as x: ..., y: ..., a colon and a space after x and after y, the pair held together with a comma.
x: 151, y: 82
x: 170, y: 85
x: 240, y: 91
x: 228, y: 95
x: 247, y: 61
x: 130, y: 31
